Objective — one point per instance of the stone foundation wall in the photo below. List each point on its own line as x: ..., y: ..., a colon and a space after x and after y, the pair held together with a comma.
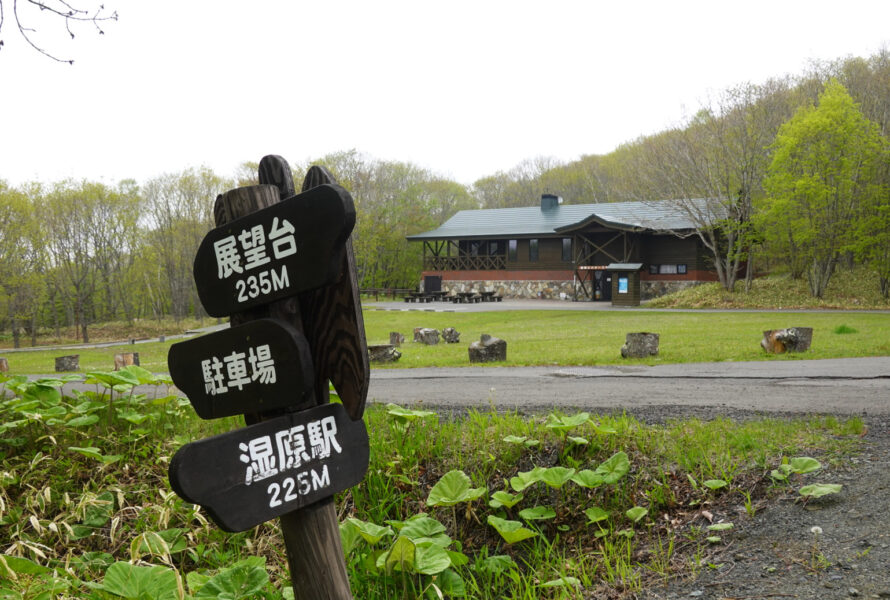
x: 654, y: 289
x: 551, y: 290
x: 546, y: 290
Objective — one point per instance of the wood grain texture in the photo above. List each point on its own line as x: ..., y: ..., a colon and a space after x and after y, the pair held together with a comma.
x: 274, y: 170
x: 336, y: 328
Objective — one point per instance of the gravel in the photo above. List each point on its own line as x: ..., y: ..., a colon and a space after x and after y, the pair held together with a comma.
x: 776, y: 554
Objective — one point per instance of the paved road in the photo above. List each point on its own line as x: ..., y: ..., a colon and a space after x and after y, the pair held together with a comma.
x: 839, y: 386
x: 844, y: 386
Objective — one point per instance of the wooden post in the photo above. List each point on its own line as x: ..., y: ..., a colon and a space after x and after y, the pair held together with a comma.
x: 311, y: 534
x: 4, y: 365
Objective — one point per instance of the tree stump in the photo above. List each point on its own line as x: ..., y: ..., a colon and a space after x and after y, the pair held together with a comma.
x: 396, y: 338
x: 792, y: 339
x: 488, y: 349
x: 383, y: 353
x: 640, y: 345
x: 451, y: 335
x: 125, y: 359
x: 427, y: 336
x: 4, y: 365
x: 67, y: 363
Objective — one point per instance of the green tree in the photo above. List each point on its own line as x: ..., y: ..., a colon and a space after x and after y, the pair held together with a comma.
x: 23, y: 264
x: 823, y: 173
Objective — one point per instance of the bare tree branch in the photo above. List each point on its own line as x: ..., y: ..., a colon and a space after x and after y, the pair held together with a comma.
x: 66, y: 11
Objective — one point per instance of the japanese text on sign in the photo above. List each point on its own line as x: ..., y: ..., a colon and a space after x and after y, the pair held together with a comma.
x: 247, y: 250
x: 291, y: 449
x: 232, y: 371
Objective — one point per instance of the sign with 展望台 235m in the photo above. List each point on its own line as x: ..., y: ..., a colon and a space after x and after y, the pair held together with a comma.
x: 251, y: 475
x: 287, y: 248
x: 256, y: 367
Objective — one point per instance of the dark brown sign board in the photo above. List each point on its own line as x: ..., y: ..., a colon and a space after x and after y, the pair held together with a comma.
x: 290, y: 247
x: 251, y: 475
x: 256, y: 367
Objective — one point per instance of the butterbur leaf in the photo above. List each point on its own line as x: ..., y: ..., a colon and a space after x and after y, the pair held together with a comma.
x: 523, y: 479
x: 556, y: 477
x: 614, y: 468
x: 817, y: 490
x: 430, y: 559
x: 505, y: 499
x: 371, y: 532
x: 10, y: 565
x: 515, y: 439
x: 82, y: 421
x: 130, y: 581
x: 595, y: 514
x: 407, y: 414
x: 143, y: 376
x: 636, y: 513
x: 96, y: 454
x: 511, y: 531
x: 538, y: 513
x: 588, y: 478
x: 714, y: 484
x: 565, y: 423
x: 458, y: 559
x: 242, y: 581
x: 450, y: 584
x: 495, y: 565
x: 713, y: 539
x: 720, y: 526
x: 453, y: 488
x: 426, y: 529
x: 804, y: 464
x: 349, y: 537
x: 400, y: 556
x: 562, y: 582
x: 580, y: 441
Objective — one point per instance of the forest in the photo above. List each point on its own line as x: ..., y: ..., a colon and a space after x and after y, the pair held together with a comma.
x: 795, y: 170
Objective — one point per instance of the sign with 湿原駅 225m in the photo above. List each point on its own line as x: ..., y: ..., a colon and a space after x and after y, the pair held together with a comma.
x: 251, y: 475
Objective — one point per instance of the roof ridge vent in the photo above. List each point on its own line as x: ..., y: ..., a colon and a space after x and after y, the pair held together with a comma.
x: 550, y: 201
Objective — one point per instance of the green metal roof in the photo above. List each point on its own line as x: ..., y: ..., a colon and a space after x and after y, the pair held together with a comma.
x: 529, y: 221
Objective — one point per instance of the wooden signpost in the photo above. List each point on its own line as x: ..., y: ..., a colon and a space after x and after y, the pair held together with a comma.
x: 284, y: 271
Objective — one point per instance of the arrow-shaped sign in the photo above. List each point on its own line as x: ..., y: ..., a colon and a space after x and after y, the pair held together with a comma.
x: 251, y: 475
x: 256, y: 367
x: 290, y: 247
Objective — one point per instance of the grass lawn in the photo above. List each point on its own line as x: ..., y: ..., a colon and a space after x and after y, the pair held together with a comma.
x: 566, y: 338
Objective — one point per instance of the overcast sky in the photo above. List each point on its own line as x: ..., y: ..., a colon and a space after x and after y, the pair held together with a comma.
x: 465, y: 89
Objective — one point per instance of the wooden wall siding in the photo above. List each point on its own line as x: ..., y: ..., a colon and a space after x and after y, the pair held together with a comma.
x: 691, y: 275
x: 671, y: 250
x: 632, y: 297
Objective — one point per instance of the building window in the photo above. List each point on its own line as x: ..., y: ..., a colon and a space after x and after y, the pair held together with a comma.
x: 667, y: 269
x: 566, y: 249
x: 533, y: 250
x: 494, y: 248
x: 511, y: 250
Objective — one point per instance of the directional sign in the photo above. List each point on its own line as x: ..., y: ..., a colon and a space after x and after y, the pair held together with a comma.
x: 256, y: 367
x: 289, y: 247
x: 251, y: 475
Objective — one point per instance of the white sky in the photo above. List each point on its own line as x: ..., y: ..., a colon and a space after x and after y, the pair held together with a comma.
x: 462, y: 88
